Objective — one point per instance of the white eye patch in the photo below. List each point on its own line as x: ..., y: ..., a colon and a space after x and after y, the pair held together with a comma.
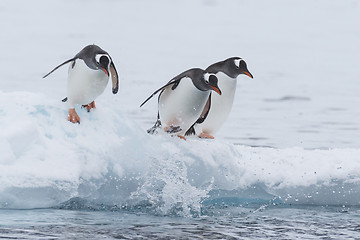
x: 206, y: 77
x: 98, y: 56
x: 237, y: 62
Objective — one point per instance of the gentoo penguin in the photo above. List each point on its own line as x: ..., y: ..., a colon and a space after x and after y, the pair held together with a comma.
x: 182, y: 100
x: 87, y: 78
x: 218, y: 107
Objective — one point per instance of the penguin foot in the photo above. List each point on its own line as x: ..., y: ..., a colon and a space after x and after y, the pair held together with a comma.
x: 73, y: 116
x: 172, y: 129
x: 206, y: 135
x: 89, y: 106
x: 154, y: 128
x: 182, y: 137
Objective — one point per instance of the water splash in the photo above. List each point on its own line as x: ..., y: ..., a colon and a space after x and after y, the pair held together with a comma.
x: 109, y: 162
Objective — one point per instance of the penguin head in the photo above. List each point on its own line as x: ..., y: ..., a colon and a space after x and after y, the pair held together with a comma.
x: 95, y: 58
x: 102, y: 61
x: 239, y: 66
x: 232, y: 67
x: 212, y: 82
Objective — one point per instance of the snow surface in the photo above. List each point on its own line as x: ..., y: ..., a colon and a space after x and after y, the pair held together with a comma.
x: 293, y: 132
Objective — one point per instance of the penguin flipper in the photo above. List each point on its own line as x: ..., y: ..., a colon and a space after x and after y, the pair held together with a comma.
x: 66, y: 62
x: 65, y: 99
x: 201, y: 119
x: 190, y: 131
x: 114, y: 77
x: 205, y: 111
x: 173, y: 81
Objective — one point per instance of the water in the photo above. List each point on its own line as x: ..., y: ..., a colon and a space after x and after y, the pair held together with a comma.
x: 267, y: 222
x: 285, y: 165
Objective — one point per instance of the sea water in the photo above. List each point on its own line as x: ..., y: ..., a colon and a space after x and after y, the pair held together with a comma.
x: 271, y: 223
x: 285, y: 165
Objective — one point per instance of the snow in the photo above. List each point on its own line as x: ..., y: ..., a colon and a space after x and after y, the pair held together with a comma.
x: 293, y: 131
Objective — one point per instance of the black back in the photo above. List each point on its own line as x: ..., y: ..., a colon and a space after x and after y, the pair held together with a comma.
x: 197, y: 77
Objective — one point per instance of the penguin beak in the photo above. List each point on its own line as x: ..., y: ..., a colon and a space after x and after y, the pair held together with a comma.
x: 216, y: 89
x: 248, y: 74
x: 106, y: 71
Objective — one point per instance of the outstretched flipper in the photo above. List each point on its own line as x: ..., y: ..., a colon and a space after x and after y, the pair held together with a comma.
x: 163, y: 87
x: 66, y: 62
x: 175, y: 81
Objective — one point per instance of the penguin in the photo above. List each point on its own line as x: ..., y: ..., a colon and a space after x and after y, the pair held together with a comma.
x: 88, y: 77
x: 182, y: 100
x: 218, y: 107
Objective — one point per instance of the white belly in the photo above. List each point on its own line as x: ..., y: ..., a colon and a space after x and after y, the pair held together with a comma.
x: 220, y: 105
x: 84, y: 84
x: 182, y: 106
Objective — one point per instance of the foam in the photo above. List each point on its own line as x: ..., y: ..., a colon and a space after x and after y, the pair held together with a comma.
x: 109, y: 159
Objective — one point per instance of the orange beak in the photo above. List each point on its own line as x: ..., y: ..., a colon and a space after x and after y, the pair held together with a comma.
x: 248, y: 74
x: 216, y: 90
x: 106, y: 72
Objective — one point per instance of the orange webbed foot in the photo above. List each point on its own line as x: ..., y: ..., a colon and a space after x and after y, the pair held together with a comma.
x: 206, y: 135
x: 89, y: 106
x: 172, y: 130
x: 73, y: 116
x: 182, y: 137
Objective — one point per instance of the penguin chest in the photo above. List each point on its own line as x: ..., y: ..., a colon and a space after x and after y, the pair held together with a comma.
x: 220, y: 105
x: 84, y: 83
x: 181, y: 106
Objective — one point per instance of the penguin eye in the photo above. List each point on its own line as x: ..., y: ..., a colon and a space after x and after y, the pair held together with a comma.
x: 102, y: 60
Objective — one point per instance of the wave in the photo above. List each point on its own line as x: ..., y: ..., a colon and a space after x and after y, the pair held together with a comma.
x: 109, y: 162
